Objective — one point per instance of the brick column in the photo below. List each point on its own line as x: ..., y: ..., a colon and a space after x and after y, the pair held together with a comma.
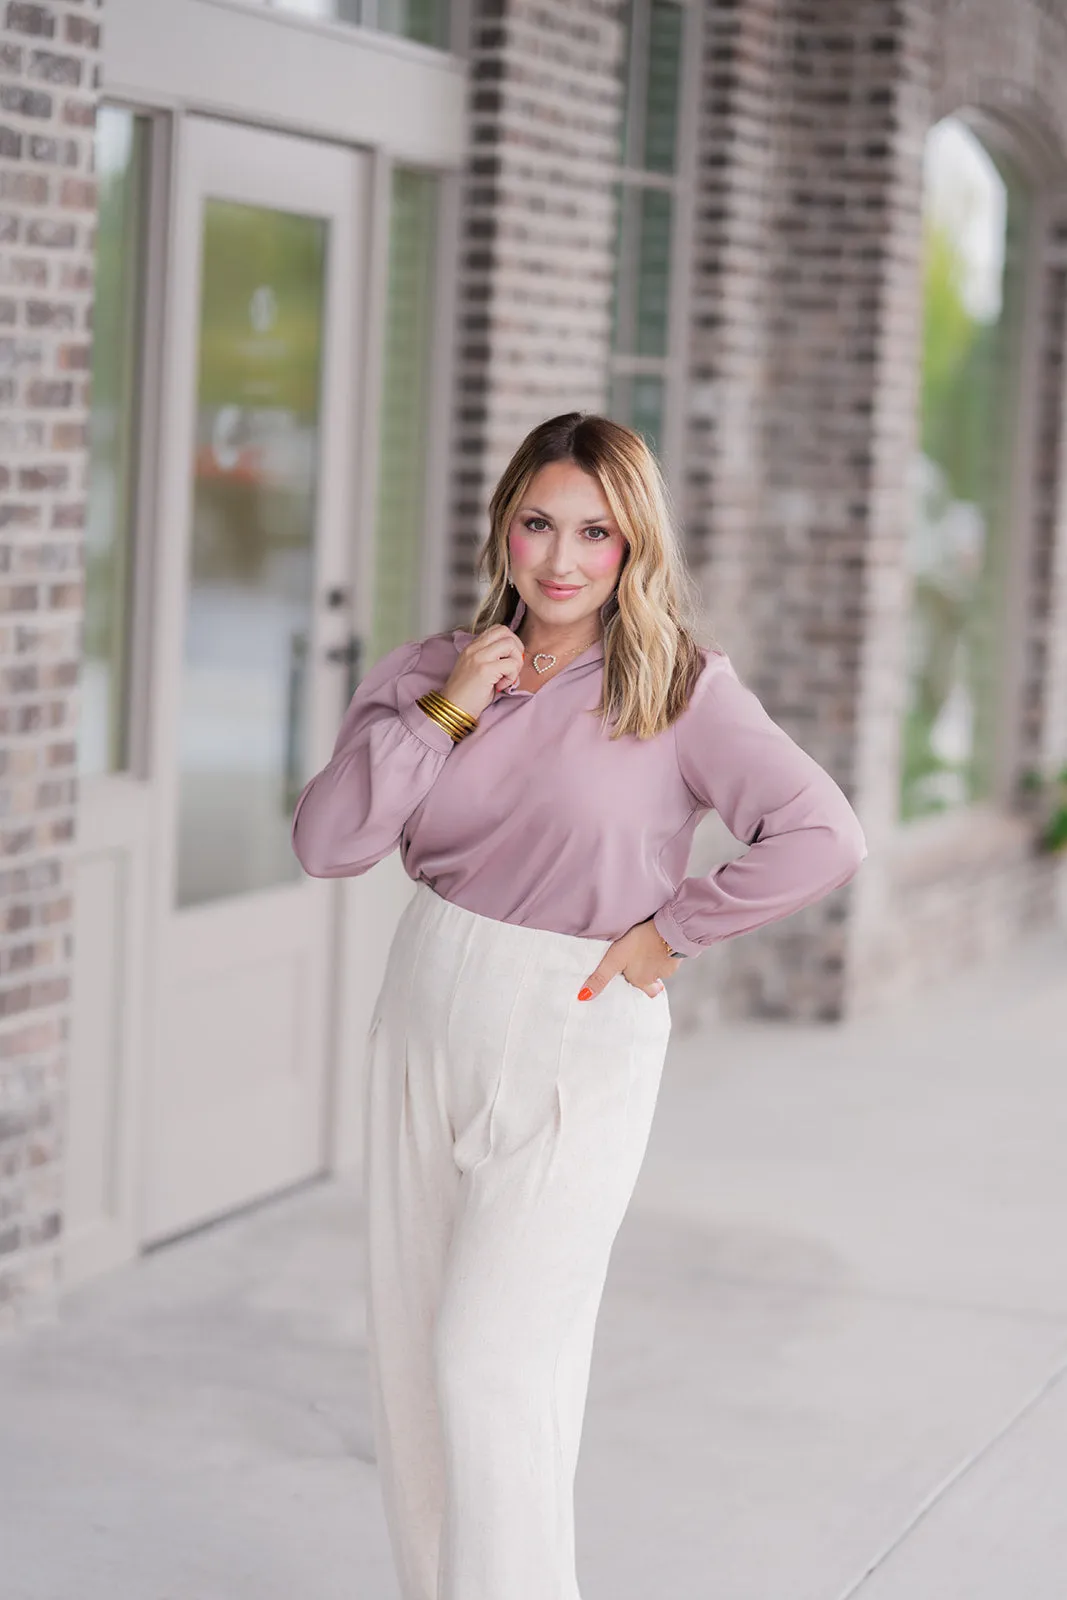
x: 537, y: 239
x: 48, y: 79
x: 795, y: 439
x: 732, y: 301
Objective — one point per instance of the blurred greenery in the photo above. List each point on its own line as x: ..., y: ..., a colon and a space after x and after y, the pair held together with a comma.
x: 249, y: 247
x: 1051, y: 794
x: 957, y: 399
x: 967, y: 402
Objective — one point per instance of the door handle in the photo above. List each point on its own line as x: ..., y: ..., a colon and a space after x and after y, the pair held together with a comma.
x: 296, y: 678
x: 349, y: 655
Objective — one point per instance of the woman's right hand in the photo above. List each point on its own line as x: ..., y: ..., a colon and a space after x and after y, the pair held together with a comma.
x: 491, y: 661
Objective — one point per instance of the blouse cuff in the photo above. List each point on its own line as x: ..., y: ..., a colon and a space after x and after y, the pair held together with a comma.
x: 666, y: 926
x: 423, y: 726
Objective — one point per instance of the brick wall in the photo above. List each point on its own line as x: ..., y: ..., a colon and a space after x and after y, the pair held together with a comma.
x: 968, y: 885
x: 538, y: 235
x: 803, y: 419
x: 792, y: 370
x: 48, y: 79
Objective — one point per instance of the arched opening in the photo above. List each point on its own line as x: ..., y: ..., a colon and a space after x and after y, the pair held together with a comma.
x: 976, y: 209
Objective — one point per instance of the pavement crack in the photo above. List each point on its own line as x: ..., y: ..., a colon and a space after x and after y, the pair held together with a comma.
x: 940, y: 1490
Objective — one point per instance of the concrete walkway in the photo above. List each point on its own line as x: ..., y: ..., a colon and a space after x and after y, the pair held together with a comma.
x: 831, y: 1359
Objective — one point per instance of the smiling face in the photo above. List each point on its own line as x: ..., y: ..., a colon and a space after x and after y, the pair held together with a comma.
x: 563, y: 532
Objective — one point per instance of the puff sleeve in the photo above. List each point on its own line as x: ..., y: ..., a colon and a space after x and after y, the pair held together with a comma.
x: 386, y: 758
x: 805, y: 838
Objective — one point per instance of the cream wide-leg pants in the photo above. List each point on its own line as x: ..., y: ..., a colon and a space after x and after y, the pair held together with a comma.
x: 505, y: 1125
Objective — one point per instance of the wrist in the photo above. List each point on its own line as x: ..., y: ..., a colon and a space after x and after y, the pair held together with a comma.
x: 675, y: 955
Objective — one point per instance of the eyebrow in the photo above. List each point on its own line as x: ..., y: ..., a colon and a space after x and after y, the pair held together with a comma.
x: 586, y: 524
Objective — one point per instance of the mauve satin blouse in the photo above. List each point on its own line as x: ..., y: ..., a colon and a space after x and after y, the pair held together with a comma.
x: 539, y: 818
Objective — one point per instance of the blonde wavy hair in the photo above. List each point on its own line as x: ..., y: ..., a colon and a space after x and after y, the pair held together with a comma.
x: 650, y: 622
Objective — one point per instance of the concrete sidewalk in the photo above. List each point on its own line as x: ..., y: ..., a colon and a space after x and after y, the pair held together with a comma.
x: 831, y: 1358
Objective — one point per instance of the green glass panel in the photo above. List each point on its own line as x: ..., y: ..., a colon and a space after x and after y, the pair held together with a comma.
x: 654, y: 272
x: 648, y: 409
x: 426, y: 21
x: 642, y: 271
x: 121, y: 144
x: 248, y: 615
x: 975, y: 224
x: 404, y: 410
x: 637, y: 400
x: 620, y: 277
x: 664, y: 80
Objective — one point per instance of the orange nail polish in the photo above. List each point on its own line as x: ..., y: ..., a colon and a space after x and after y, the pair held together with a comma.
x: 585, y: 994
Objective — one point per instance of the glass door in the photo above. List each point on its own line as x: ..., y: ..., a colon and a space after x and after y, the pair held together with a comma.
x: 251, y: 563
x: 259, y: 433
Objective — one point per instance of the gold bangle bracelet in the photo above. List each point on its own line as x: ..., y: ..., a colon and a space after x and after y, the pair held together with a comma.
x: 461, y: 720
x: 452, y: 718
x: 443, y: 716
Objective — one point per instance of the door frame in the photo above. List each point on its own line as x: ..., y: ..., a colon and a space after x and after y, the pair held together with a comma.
x: 186, y: 942
x: 115, y: 814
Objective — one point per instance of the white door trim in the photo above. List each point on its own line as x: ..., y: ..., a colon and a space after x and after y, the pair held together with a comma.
x: 347, y: 85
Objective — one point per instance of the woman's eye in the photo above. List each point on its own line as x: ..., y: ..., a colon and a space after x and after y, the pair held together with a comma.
x: 606, y: 533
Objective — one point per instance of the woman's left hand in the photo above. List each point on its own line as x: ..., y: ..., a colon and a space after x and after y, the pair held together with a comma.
x: 640, y: 955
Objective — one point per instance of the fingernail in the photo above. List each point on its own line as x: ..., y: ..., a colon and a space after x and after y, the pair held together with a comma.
x: 585, y: 994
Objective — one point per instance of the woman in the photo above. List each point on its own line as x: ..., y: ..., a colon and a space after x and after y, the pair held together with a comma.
x: 516, y: 1045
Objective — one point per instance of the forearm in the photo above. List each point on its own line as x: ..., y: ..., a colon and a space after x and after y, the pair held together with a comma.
x: 777, y: 877
x: 352, y: 813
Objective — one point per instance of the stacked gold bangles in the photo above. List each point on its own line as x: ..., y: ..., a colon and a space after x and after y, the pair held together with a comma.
x: 451, y: 717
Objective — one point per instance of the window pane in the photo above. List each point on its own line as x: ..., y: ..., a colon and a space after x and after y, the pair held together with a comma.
x: 642, y: 276
x: 664, y: 74
x: 647, y: 409
x: 974, y: 228
x: 404, y: 411
x: 622, y: 279
x: 121, y: 145
x: 637, y: 400
x: 248, y: 616
x: 653, y: 272
x: 323, y: 10
x: 426, y: 21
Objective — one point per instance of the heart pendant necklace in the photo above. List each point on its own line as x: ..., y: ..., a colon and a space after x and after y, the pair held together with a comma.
x: 550, y: 660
